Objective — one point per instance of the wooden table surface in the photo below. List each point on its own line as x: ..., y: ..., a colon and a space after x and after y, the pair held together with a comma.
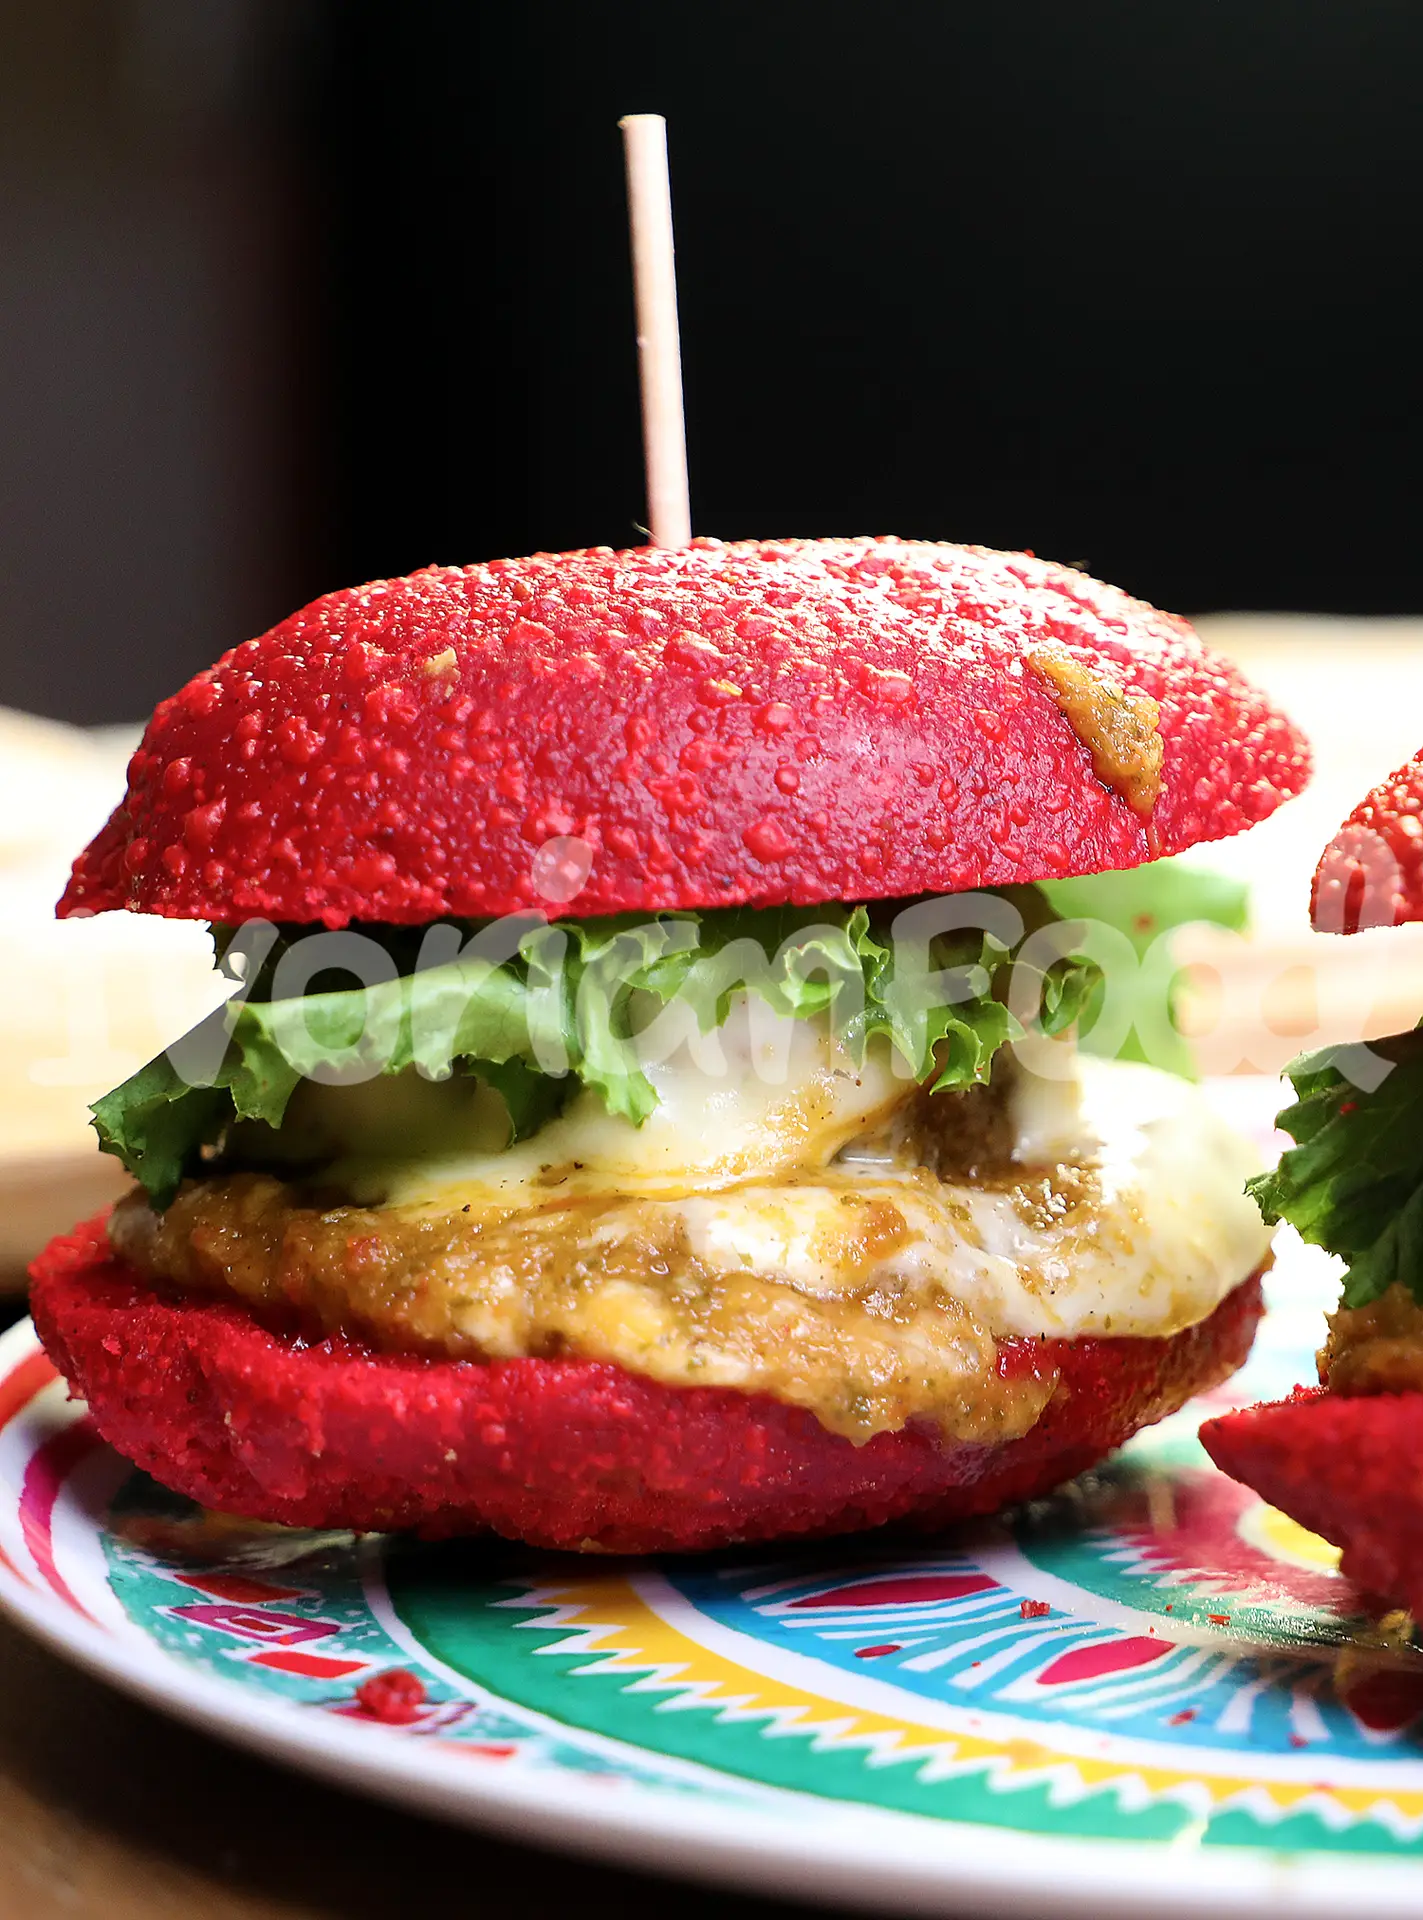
x: 110, y: 1812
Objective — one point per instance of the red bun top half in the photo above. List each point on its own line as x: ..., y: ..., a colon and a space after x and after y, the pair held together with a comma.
x: 758, y: 723
x: 1371, y: 874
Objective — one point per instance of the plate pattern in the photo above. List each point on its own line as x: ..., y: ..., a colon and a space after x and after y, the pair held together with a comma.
x: 1151, y: 1656
x: 1087, y: 1670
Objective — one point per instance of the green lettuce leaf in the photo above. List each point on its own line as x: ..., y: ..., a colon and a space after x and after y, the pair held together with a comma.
x: 1142, y: 903
x: 247, y: 1058
x: 1353, y: 1182
x: 546, y: 1007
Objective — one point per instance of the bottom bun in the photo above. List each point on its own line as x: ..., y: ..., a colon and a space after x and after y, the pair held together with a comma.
x: 560, y: 1453
x: 1348, y: 1469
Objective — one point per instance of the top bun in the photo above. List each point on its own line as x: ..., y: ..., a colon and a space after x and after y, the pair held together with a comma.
x: 1371, y: 873
x: 757, y: 723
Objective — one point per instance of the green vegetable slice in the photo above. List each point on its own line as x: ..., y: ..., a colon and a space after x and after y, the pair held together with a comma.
x: 1142, y: 904
x: 1353, y: 1182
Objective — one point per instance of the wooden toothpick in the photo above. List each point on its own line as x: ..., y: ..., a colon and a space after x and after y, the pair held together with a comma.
x: 659, y: 351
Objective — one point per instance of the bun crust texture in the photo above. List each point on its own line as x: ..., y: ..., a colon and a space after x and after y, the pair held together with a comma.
x: 756, y: 723
x: 1371, y: 873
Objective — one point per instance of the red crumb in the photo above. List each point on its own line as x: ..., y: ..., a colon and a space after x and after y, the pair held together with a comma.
x: 1034, y: 1609
x: 396, y: 1696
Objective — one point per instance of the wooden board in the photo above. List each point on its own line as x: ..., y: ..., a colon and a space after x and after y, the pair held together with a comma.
x: 108, y: 1812
x: 45, y: 1194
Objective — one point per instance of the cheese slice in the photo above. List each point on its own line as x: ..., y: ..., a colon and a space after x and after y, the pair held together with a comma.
x: 1124, y: 1211
x: 756, y: 1098
x: 1144, y: 1230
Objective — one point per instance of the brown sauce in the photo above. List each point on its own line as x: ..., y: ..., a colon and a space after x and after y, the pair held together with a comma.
x: 1121, y: 731
x: 610, y: 1280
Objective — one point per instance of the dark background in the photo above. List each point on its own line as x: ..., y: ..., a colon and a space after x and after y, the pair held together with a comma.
x: 295, y: 292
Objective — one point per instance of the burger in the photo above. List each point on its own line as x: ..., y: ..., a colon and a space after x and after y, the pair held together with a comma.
x: 1345, y: 1458
x: 646, y: 1115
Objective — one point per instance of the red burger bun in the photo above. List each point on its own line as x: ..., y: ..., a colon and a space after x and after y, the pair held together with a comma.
x: 758, y: 723
x: 1371, y: 873
x: 1347, y: 1468
x: 559, y: 1453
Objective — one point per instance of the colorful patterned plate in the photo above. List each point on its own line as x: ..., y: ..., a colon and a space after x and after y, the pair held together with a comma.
x: 1150, y: 1689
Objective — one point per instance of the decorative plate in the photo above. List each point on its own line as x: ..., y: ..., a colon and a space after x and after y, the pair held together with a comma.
x: 1150, y: 1688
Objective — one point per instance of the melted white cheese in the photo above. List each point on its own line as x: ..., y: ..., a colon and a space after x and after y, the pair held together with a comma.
x: 766, y: 1095
x: 1164, y: 1232
x: 764, y: 1166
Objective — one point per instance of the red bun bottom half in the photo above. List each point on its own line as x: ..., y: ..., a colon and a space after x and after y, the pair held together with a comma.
x: 1348, y: 1468
x: 559, y: 1453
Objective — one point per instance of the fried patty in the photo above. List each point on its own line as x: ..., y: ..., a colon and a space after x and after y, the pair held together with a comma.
x: 1377, y: 1348
x: 616, y: 1278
